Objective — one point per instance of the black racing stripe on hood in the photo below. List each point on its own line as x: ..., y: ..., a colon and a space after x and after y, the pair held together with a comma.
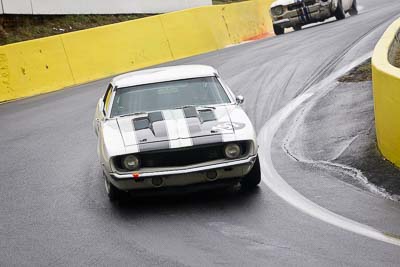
x: 154, y: 146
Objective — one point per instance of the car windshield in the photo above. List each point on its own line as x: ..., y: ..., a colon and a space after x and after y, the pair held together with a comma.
x: 168, y: 95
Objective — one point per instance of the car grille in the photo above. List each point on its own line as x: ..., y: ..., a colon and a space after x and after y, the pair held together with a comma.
x: 181, y: 157
x: 185, y: 157
x: 299, y: 5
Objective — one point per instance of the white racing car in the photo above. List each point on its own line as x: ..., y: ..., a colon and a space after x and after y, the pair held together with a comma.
x: 174, y: 127
x: 297, y: 13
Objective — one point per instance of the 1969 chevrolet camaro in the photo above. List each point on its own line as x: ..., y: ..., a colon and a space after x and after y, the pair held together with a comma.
x: 174, y: 127
x: 297, y: 13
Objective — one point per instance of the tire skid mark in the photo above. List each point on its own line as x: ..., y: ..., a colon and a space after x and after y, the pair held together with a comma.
x: 329, y: 164
x: 327, y: 68
x: 279, y: 186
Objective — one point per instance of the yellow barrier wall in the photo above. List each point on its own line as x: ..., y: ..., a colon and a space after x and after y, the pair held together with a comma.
x: 49, y: 64
x: 386, y: 83
x: 113, y: 49
x: 187, y: 34
x: 33, y: 67
x: 244, y: 25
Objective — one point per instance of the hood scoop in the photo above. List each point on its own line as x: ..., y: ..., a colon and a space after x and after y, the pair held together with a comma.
x: 207, y: 121
x: 150, y: 127
x: 203, y: 114
x: 148, y: 121
x: 168, y: 125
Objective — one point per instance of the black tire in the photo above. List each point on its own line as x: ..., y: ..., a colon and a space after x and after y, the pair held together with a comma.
x: 253, y: 178
x: 339, y: 12
x: 113, y: 193
x: 297, y: 28
x: 278, y: 30
x: 354, y: 9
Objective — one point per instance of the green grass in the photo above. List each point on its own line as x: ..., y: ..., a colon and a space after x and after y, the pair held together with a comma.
x: 17, y: 28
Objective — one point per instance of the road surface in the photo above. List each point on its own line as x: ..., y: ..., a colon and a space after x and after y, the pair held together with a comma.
x: 54, y: 210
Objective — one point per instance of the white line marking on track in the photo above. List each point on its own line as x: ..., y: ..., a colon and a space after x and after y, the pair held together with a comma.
x: 280, y: 187
x: 329, y: 164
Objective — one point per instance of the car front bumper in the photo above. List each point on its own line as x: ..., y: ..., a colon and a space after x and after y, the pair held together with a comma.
x: 183, y: 177
x: 310, y: 14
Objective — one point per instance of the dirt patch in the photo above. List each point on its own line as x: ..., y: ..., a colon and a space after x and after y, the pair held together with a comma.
x: 363, y: 154
x: 362, y: 73
x: 396, y: 61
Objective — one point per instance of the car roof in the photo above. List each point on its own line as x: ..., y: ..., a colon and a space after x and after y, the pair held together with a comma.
x: 163, y: 75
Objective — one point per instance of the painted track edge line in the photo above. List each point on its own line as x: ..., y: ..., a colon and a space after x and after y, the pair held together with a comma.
x: 280, y: 187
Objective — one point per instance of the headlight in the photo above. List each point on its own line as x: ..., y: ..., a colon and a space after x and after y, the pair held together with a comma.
x: 232, y: 151
x: 130, y: 162
x: 277, y: 11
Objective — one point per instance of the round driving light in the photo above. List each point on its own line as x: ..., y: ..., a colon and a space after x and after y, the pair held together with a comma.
x: 212, y: 175
x: 157, y: 181
x: 232, y: 151
x: 131, y: 163
x: 277, y: 11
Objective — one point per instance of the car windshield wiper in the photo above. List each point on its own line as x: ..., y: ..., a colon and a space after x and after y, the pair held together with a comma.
x: 133, y: 114
x: 194, y: 106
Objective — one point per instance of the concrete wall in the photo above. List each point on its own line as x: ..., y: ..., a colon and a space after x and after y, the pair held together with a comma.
x: 97, y: 6
x: 386, y: 84
x: 49, y: 64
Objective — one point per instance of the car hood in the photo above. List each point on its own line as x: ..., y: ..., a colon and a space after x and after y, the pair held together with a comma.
x: 176, y: 128
x: 283, y: 3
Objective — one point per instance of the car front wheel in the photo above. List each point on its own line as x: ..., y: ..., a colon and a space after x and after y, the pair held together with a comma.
x: 297, y: 28
x: 354, y: 9
x: 339, y: 13
x: 113, y: 193
x: 253, y: 178
x: 278, y: 30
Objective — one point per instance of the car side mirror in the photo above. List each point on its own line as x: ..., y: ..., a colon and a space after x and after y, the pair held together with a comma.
x: 239, y: 99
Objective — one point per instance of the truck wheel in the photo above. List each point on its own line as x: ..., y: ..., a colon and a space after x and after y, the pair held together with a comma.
x: 297, y: 28
x: 278, y: 30
x: 339, y: 12
x: 253, y: 178
x: 113, y: 193
x: 354, y: 9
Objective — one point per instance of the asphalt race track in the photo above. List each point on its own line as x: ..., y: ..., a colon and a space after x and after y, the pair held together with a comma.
x: 54, y: 211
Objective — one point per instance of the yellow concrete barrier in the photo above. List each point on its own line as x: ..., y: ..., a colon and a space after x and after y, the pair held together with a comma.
x: 104, y: 51
x: 49, y: 64
x: 386, y: 84
x: 187, y: 34
x: 245, y: 25
x: 33, y: 67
